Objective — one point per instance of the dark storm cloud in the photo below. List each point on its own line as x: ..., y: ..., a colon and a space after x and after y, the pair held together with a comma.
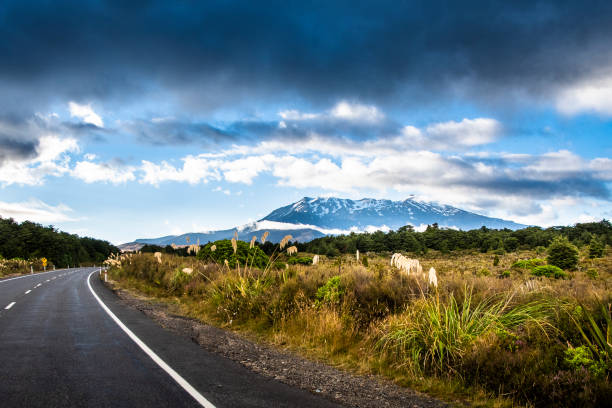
x: 10, y: 148
x: 172, y: 131
x: 17, y: 138
x: 216, y: 54
x: 516, y: 177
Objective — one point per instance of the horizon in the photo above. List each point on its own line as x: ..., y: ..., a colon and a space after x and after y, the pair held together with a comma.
x: 371, y: 229
x: 176, y: 119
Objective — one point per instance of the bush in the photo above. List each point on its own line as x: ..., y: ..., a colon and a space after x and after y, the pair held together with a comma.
x: 301, y: 260
x: 592, y: 273
x: 496, y: 260
x: 484, y: 272
x: 596, y: 248
x: 364, y: 261
x: 550, y: 271
x: 562, y: 253
x: 582, y: 356
x: 528, y: 263
x: 331, y: 292
x: 224, y: 250
x: 511, y: 244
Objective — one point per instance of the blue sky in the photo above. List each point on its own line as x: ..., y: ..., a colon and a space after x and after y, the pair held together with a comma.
x: 155, y: 118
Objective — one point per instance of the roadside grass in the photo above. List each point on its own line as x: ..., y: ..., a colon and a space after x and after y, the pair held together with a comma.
x: 482, y: 337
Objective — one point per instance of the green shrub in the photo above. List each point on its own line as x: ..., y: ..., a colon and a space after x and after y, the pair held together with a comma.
x: 528, y: 263
x: 562, y: 253
x: 550, y: 271
x: 484, y: 272
x: 496, y: 260
x: 364, y: 261
x: 331, y: 292
x: 301, y: 260
x: 178, y: 281
x: 596, y: 248
x: 505, y: 274
x: 592, y: 273
x: 596, y: 332
x: 582, y: 356
x: 511, y: 244
x: 540, y: 250
x: 254, y: 256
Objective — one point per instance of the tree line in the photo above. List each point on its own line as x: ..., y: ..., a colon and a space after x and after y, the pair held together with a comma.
x: 28, y: 240
x: 446, y: 239
x: 406, y: 239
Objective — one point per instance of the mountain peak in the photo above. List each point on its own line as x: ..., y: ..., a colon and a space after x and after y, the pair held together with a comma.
x: 347, y: 214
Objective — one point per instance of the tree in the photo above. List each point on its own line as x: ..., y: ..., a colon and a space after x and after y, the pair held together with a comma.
x: 596, y: 248
x: 562, y: 253
x: 511, y: 244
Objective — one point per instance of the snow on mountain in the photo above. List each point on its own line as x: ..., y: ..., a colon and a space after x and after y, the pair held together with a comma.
x: 311, y: 218
x: 357, y: 215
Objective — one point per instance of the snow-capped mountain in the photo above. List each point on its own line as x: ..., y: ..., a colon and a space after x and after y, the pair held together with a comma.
x: 311, y: 218
x: 368, y: 214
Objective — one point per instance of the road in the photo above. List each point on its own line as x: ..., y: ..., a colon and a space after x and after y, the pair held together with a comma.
x: 60, y: 347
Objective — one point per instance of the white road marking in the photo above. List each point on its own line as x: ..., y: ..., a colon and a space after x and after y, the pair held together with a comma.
x: 53, y: 277
x: 25, y: 276
x: 10, y: 305
x: 47, y: 280
x: 28, y: 291
x: 40, y: 284
x: 164, y: 366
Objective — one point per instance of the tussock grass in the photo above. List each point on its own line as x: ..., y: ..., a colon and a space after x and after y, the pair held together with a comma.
x: 431, y: 334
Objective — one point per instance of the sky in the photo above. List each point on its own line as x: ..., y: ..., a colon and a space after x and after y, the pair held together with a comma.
x: 124, y: 120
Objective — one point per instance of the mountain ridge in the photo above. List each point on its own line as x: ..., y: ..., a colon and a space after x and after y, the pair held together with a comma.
x: 310, y: 218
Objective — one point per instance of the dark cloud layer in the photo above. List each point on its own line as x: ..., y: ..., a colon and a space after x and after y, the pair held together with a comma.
x: 214, y: 53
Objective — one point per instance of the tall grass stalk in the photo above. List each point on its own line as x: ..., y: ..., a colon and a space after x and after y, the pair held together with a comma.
x: 433, y: 334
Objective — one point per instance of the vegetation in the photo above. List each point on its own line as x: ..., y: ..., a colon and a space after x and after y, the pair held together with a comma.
x: 444, y: 240
x: 527, y: 339
x: 550, y: 271
x: 596, y: 248
x: 24, y: 244
x: 562, y: 253
x: 244, y: 255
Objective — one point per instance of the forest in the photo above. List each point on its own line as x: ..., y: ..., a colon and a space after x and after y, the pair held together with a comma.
x: 28, y: 240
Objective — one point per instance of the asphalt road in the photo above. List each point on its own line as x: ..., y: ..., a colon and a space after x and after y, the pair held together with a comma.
x: 59, y: 347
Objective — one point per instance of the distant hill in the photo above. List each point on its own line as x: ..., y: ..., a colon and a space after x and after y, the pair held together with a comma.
x: 311, y: 218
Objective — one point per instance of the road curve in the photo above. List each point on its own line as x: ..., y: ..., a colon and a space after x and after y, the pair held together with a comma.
x: 60, y: 348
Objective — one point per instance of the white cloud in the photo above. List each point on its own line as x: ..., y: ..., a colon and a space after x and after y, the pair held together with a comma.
x: 85, y: 113
x: 468, y: 132
x: 51, y: 160
x: 91, y: 172
x: 36, y: 211
x: 588, y: 96
x: 293, y: 114
x: 244, y: 170
x: 195, y: 170
x: 343, y: 110
x: 356, y: 112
